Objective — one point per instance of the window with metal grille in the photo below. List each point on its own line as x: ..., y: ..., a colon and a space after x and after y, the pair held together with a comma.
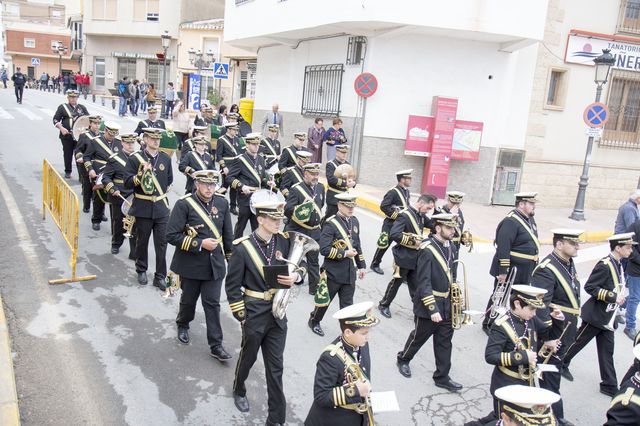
x: 629, y: 17
x: 623, y: 127
x: 322, y: 90
x: 355, y: 50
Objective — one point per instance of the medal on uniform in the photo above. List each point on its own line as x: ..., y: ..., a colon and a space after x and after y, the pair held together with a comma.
x: 161, y: 167
x: 214, y: 210
x: 355, y: 229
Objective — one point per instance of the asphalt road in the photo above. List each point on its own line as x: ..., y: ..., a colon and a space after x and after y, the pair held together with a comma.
x: 104, y: 352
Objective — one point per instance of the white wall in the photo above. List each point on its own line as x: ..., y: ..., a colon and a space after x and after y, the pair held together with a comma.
x: 125, y: 25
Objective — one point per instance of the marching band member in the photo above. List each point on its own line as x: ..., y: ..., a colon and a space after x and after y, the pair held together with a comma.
x: 432, y: 303
x: 149, y: 175
x: 526, y: 406
x: 200, y: 229
x: 407, y: 232
x: 152, y: 122
x: 293, y: 175
x: 336, y: 184
x: 288, y: 156
x: 253, y: 306
x: 454, y: 199
x: 196, y: 160
x: 516, y: 245
x: 63, y: 120
x: 113, y: 180
x: 625, y: 405
x: 228, y: 151
x: 83, y: 143
x: 95, y: 159
x: 196, y: 131
x: 343, y: 258
x: 606, y: 288
x: 247, y: 174
x: 270, y: 146
x: 343, y: 372
x: 395, y: 200
x: 304, y: 213
x: 557, y: 274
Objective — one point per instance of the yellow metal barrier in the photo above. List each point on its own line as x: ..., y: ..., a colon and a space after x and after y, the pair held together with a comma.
x: 62, y: 203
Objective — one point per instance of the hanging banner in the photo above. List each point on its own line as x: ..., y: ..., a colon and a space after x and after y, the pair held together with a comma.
x: 467, y: 136
x: 419, y: 136
x: 583, y: 49
x: 194, y: 92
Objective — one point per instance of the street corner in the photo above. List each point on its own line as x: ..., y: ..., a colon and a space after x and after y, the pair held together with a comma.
x: 9, y: 413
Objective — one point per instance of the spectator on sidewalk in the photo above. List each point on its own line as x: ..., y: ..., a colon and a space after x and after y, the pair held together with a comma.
x: 628, y: 213
x: 633, y: 284
x: 143, y: 87
x: 79, y: 82
x: 151, y: 96
x: 86, y: 84
x: 235, y: 109
x: 4, y: 76
x: 181, y: 124
x: 65, y: 82
x: 222, y: 115
x: 124, y: 95
x: 170, y: 98
x: 273, y: 117
x: 314, y: 144
x: 133, y: 98
x: 19, y: 80
x: 333, y: 137
x: 43, y: 81
x: 50, y: 84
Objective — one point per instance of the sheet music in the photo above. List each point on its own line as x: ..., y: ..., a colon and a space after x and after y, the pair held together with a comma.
x: 547, y: 368
x: 382, y: 402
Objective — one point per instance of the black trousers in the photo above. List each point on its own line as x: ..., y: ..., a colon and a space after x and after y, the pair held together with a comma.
x: 378, y: 255
x: 605, y: 345
x: 209, y: 290
x: 313, y: 270
x: 87, y: 192
x: 144, y: 227
x: 332, y: 209
x: 442, y: 333
x: 271, y: 339
x: 408, y: 276
x: 345, y: 293
x: 19, y: 89
x: 68, y: 145
x: 244, y: 216
x: 98, y: 209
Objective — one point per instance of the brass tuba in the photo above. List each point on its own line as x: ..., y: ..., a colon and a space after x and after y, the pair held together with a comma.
x: 502, y: 293
x: 300, y: 246
x: 460, y: 301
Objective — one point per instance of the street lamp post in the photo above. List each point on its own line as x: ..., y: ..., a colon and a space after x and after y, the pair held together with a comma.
x: 60, y: 49
x: 196, y: 59
x: 603, y: 63
x: 166, y: 41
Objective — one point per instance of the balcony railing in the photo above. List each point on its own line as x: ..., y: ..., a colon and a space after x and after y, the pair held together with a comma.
x: 629, y: 17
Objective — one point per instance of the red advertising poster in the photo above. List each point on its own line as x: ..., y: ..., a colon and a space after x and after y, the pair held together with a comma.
x: 419, y: 136
x: 436, y: 173
x: 467, y: 136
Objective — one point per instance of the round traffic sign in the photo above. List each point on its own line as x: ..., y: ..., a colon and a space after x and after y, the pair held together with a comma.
x: 366, y: 84
x: 596, y: 115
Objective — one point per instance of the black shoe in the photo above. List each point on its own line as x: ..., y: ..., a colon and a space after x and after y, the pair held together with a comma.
x: 132, y: 256
x: 315, y: 327
x: 142, y: 278
x: 377, y: 269
x: 449, y: 385
x: 67, y: 175
x: 567, y: 374
x: 384, y: 310
x: 220, y: 354
x: 241, y: 402
x: 159, y: 283
x: 631, y: 334
x: 403, y: 368
x: 86, y: 209
x: 608, y: 390
x: 183, y: 335
x: 115, y: 250
x: 104, y: 218
x: 234, y: 210
x: 95, y: 226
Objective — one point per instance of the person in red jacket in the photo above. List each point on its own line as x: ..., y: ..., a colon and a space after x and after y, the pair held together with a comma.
x: 86, y: 84
x: 78, y: 79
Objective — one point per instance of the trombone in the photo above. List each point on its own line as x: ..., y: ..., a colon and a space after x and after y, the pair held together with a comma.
x: 502, y: 293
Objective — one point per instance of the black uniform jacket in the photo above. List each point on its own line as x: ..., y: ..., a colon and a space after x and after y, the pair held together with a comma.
x: 66, y: 114
x: 83, y: 143
x: 408, y: 223
x: 193, y: 162
x: 506, y: 349
x: 625, y: 406
x: 434, y: 280
x: 333, y: 397
x: 516, y: 243
x: 302, y: 193
x: 98, y: 152
x: 228, y: 149
x: 247, y: 170
x: 149, y: 206
x: 395, y: 200
x: 337, y: 185
x: 114, y: 174
x: 191, y: 221
x: 246, y: 271
x: 341, y: 269
x: 288, y: 157
x: 602, y: 282
x: 290, y: 177
x: 188, y: 146
x: 560, y: 280
x: 158, y: 124
x: 270, y: 150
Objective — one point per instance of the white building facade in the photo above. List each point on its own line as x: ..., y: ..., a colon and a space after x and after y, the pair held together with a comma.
x: 481, y: 52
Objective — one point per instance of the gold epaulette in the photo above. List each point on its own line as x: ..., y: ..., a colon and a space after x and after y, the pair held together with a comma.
x: 185, y: 196
x: 544, y: 263
x: 500, y: 320
x: 239, y: 240
x: 332, y: 349
x: 285, y: 234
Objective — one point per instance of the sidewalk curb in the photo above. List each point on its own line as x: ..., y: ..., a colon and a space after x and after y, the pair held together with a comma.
x: 9, y: 413
x: 373, y: 206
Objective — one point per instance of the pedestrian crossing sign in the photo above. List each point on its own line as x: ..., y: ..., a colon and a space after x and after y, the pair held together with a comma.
x: 35, y: 62
x: 220, y: 70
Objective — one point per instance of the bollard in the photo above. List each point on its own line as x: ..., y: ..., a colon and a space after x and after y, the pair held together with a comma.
x: 113, y: 104
x: 93, y: 97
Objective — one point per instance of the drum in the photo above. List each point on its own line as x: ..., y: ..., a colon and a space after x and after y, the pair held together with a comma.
x: 264, y: 196
x: 168, y: 142
x: 216, y: 131
x: 80, y: 125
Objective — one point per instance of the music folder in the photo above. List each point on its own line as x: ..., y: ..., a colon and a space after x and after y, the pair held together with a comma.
x: 271, y: 273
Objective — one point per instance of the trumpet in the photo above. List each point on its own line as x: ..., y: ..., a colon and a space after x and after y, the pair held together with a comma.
x: 546, y: 353
x: 502, y: 294
x: 460, y: 301
x: 614, y: 307
x: 354, y: 374
x: 532, y: 374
